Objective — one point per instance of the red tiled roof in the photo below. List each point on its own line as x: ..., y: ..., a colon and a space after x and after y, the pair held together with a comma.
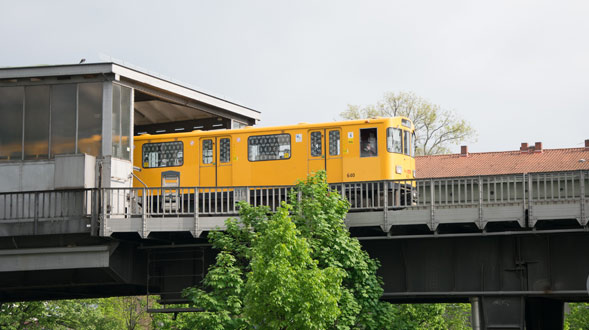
x: 506, y: 162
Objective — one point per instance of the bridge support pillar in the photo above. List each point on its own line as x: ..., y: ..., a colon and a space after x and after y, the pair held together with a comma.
x: 516, y: 313
x: 500, y: 312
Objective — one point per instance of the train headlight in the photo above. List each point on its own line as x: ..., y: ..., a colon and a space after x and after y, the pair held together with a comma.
x: 414, y: 174
x: 399, y: 169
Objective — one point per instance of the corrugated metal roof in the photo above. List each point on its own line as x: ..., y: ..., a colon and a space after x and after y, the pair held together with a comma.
x: 505, y: 162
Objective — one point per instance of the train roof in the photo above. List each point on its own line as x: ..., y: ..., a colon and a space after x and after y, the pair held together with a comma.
x: 251, y: 129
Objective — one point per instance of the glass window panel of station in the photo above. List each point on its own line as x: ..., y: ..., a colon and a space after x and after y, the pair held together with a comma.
x: 269, y: 147
x: 165, y: 154
x: 207, y: 151
x: 334, y: 143
x: 316, y: 149
x: 394, y: 136
x: 90, y: 118
x: 236, y: 124
x: 368, y: 142
x: 63, y: 119
x: 225, y: 150
x: 116, y: 121
x: 121, y: 121
x: 11, y: 122
x: 37, y: 122
x: 126, y: 104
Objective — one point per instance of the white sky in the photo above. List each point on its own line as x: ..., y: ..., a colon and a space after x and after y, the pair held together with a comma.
x: 518, y: 71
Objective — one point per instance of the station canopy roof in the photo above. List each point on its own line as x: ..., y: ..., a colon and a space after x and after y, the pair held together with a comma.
x: 157, y: 101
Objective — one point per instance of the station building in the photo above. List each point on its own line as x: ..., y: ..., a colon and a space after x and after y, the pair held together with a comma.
x: 72, y: 126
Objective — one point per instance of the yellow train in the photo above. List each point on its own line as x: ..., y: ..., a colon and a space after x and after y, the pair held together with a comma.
x: 349, y: 151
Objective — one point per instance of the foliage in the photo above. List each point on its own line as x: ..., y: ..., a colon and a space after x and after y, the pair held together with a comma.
x: 319, y: 213
x: 222, y: 302
x: 89, y: 314
x: 457, y: 316
x: 296, y: 269
x: 578, y: 317
x: 285, y: 289
x: 431, y: 316
x: 418, y: 316
x: 125, y: 312
x: 64, y: 314
x: 435, y: 129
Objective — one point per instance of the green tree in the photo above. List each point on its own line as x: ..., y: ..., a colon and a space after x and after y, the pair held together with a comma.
x: 319, y: 214
x: 58, y: 314
x: 21, y: 314
x: 263, y: 260
x: 419, y: 316
x: 457, y: 316
x: 123, y: 313
x: 222, y: 300
x: 285, y: 289
x: 436, y: 129
x: 578, y: 317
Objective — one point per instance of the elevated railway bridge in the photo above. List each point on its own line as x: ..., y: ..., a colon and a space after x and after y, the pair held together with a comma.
x: 515, y: 246
x: 71, y: 226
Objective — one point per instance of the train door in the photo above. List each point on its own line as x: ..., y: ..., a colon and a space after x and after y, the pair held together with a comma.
x: 316, y: 150
x: 207, y: 166
x: 224, y: 169
x: 333, y: 164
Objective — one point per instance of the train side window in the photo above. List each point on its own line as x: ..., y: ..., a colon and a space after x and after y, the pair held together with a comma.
x: 225, y: 150
x: 268, y: 147
x: 368, y: 142
x: 165, y: 154
x: 207, y: 151
x: 394, y: 140
x: 406, y: 144
x: 334, y: 143
x: 316, y: 149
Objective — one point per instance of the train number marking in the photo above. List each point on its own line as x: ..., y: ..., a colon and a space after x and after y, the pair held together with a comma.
x: 351, y: 175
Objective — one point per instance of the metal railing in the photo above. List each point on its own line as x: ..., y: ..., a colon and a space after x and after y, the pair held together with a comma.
x: 56, y: 204
x: 373, y: 195
x: 532, y: 193
x: 181, y: 201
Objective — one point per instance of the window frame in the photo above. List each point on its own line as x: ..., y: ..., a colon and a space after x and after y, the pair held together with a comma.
x: 267, y: 135
x: 413, y: 145
x: 152, y: 143
x: 202, y: 150
x: 312, y: 152
x: 406, y: 143
x: 221, y: 151
x: 394, y: 130
x: 339, y: 142
x: 362, y: 155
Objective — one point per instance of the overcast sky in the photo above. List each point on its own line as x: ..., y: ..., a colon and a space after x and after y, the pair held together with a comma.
x: 518, y: 71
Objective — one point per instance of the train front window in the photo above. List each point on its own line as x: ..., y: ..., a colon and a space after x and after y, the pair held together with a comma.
x: 413, y: 145
x: 368, y: 142
x: 268, y: 147
x: 165, y: 154
x: 406, y: 143
x: 225, y: 150
x: 334, y: 143
x: 207, y: 151
x: 316, y: 149
x: 394, y: 140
